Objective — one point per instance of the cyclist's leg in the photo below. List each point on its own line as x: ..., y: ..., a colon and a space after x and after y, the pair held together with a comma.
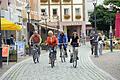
x: 65, y: 49
x: 71, y: 55
x: 60, y: 50
x: 49, y: 56
x: 39, y: 50
x: 55, y: 50
x: 92, y: 47
x: 77, y: 54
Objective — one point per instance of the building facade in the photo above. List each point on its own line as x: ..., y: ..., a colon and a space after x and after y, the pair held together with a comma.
x: 69, y: 15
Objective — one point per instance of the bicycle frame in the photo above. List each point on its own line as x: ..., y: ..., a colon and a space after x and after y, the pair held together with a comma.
x: 62, y: 53
x: 35, y: 53
x: 75, y: 52
x: 52, y: 56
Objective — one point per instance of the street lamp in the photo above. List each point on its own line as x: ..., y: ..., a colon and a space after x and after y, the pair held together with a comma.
x: 96, y: 35
x: 111, y: 42
x: 95, y: 3
x: 0, y: 39
x: 28, y: 25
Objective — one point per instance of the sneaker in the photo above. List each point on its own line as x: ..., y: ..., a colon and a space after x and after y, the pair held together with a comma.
x: 77, y: 58
x: 71, y: 60
x: 37, y: 61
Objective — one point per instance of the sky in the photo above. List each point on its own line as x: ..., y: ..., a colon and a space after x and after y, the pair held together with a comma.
x: 90, y: 4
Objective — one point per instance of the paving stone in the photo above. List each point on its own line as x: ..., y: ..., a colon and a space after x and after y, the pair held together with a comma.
x: 86, y: 70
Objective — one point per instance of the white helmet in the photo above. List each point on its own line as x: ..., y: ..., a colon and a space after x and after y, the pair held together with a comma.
x: 50, y: 32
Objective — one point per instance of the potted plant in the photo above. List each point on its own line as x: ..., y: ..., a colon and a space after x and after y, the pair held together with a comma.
x: 66, y: 16
x: 24, y: 19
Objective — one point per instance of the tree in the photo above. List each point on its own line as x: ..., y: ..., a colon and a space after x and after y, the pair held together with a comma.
x: 103, y: 16
x: 115, y: 2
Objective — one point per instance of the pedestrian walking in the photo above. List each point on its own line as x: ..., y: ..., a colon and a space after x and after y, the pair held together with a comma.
x: 91, y: 43
x: 100, y: 44
x: 94, y: 43
x: 12, y: 40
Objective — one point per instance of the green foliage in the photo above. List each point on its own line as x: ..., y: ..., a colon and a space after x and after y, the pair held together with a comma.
x: 104, y: 16
x: 115, y: 2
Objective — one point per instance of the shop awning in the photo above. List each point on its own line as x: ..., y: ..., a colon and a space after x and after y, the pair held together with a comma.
x: 8, y: 25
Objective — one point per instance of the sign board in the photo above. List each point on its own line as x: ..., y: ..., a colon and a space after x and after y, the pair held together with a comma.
x: 20, y: 48
x: 5, y: 51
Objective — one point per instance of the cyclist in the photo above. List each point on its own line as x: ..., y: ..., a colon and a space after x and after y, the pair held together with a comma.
x: 62, y: 39
x: 51, y: 41
x: 35, y: 41
x: 74, y: 41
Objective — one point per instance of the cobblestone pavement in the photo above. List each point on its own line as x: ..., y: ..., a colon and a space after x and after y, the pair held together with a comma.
x: 86, y: 70
x: 7, y: 67
x: 110, y: 62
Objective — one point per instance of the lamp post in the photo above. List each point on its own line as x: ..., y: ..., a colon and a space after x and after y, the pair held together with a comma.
x: 95, y: 28
x: 111, y: 42
x: 28, y: 25
x: 0, y: 39
x: 95, y: 3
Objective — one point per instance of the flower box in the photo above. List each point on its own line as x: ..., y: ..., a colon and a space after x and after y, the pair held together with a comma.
x: 78, y: 17
x: 43, y: 1
x: 55, y: 0
x: 66, y: 0
x: 66, y: 16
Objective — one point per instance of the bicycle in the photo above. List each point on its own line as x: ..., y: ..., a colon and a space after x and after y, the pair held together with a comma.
x: 36, y: 53
x: 62, y: 52
x: 75, y: 56
x: 75, y: 52
x: 52, y: 56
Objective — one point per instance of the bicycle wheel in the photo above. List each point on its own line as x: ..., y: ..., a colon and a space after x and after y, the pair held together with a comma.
x: 63, y: 56
x: 74, y: 60
x: 52, y: 60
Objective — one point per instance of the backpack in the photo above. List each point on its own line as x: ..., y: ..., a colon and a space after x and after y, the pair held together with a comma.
x: 36, y: 39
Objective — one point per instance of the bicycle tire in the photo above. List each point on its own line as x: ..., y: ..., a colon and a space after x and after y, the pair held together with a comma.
x: 74, y: 60
x: 52, y: 60
x: 74, y: 63
x: 63, y: 57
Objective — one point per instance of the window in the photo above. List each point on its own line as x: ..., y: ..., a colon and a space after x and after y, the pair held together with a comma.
x: 66, y: 11
x: 43, y: 11
x: 77, y: 11
x: 54, y: 11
